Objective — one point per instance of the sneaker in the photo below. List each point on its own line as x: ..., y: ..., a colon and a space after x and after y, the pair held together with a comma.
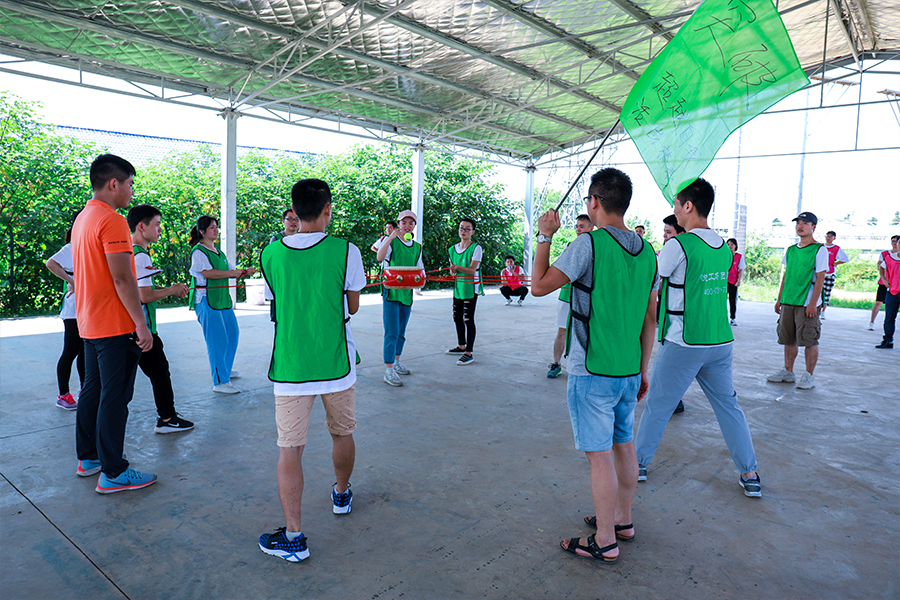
x: 129, y: 479
x: 66, y: 402
x: 807, y: 381
x: 278, y: 545
x: 679, y: 408
x: 508, y: 301
x: 86, y: 468
x: 465, y: 359
x: 391, y: 377
x: 642, y: 473
x: 520, y: 303
x: 455, y: 350
x: 822, y: 316
x: 173, y: 425
x: 400, y: 368
x: 235, y: 374
x: 782, y: 376
x: 885, y: 345
x: 733, y: 323
x: 226, y: 388
x: 871, y: 326
x: 554, y: 371
x: 752, y: 487
x: 341, y: 502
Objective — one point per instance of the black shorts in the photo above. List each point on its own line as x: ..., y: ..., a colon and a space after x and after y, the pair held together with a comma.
x: 881, y: 294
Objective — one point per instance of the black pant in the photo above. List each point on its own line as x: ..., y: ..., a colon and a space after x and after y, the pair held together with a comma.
x: 519, y: 291
x: 155, y: 366
x: 110, y: 366
x: 73, y: 349
x: 732, y: 299
x: 891, y: 307
x: 464, y: 319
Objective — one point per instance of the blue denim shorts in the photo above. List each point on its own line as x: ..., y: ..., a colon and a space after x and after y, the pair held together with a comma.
x: 602, y: 410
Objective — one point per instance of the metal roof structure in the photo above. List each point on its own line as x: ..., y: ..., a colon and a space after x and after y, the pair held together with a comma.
x: 513, y: 80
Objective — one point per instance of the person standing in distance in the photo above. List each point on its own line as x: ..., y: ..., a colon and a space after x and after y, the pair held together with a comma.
x: 465, y: 258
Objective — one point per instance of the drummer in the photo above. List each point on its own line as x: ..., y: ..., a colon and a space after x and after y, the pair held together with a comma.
x: 398, y: 250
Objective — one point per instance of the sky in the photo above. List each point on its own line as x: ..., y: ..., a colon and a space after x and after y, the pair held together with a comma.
x: 837, y: 182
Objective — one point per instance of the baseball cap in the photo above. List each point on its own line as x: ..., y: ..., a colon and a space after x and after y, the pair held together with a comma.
x: 806, y: 216
x: 407, y: 213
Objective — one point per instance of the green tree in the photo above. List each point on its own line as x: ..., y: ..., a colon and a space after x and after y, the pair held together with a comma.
x: 896, y: 219
x: 763, y: 261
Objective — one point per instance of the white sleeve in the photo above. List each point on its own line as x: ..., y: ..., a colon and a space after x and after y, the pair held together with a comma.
x: 669, y: 258
x: 842, y: 256
x: 821, y: 260
x: 355, y: 279
x: 478, y: 254
x: 64, y: 258
x: 784, y: 258
x: 743, y: 263
x: 420, y: 263
x: 143, y: 262
x: 199, y: 263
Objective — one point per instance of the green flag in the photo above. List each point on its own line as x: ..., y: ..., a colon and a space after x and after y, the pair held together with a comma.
x: 730, y: 61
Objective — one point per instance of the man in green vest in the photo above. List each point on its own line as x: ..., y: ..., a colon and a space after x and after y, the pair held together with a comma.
x: 695, y: 336
x: 465, y: 258
x: 613, y: 276
x: 800, y: 302
x: 582, y: 225
x: 316, y: 280
x: 398, y: 250
x: 144, y: 222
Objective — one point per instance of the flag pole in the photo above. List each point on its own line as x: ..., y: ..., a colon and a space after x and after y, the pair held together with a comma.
x: 588, y: 163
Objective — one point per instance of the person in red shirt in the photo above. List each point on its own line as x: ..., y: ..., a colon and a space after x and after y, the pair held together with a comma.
x: 111, y: 322
x: 889, y: 269
x: 512, y: 277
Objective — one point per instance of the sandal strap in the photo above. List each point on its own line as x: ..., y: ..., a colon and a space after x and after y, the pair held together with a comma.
x: 593, y: 549
x: 624, y: 527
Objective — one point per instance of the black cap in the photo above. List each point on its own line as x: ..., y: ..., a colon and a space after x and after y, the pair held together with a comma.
x: 806, y: 216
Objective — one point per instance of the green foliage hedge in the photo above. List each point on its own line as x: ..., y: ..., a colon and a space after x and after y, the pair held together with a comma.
x: 44, y: 180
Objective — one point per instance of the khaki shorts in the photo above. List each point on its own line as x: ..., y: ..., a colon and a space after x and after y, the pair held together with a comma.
x: 796, y: 329
x: 292, y: 416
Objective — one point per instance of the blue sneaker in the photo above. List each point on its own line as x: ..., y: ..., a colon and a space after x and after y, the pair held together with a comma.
x: 129, y: 479
x: 86, y: 468
x: 554, y: 371
x: 341, y: 501
x: 278, y: 545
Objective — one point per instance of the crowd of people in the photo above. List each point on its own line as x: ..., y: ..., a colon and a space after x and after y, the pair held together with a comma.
x: 617, y: 298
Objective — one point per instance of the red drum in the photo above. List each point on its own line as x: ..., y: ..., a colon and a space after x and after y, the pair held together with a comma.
x: 400, y: 278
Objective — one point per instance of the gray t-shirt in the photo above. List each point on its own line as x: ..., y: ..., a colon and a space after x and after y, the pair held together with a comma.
x: 576, y: 262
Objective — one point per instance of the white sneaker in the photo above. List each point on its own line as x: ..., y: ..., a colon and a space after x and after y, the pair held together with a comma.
x: 509, y: 301
x: 235, y: 374
x: 871, y: 326
x: 733, y: 323
x: 400, y: 368
x: 226, y: 388
x: 782, y: 376
x: 520, y: 303
x: 807, y: 381
x: 391, y: 378
x: 822, y: 316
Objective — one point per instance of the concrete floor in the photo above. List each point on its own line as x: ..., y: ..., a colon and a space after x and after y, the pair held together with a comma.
x: 465, y: 481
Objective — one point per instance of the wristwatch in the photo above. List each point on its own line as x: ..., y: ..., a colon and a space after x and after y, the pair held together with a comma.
x: 543, y: 239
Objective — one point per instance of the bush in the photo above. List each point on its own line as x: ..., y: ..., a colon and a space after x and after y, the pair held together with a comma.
x: 763, y: 261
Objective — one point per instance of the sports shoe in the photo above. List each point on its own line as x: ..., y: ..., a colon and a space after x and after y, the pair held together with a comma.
x: 226, y: 388
x: 173, y: 425
x: 642, y: 473
x: 400, y: 368
x: 129, y: 479
x: 235, y: 374
x: 782, y: 376
x: 871, y: 326
x: 86, y: 468
x: 885, y: 345
x: 520, y: 303
x: 278, y: 545
x: 465, y: 359
x: 455, y: 350
x: 508, y: 301
x: 807, y: 381
x: 752, y: 487
x: 733, y: 323
x: 822, y: 316
x: 679, y: 408
x: 341, y: 502
x: 66, y: 402
x: 391, y: 377
x: 554, y: 371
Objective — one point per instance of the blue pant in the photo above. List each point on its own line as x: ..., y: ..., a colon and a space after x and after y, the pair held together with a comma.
x: 110, y: 365
x: 220, y: 330
x: 891, y: 303
x: 395, y: 317
x: 674, y: 368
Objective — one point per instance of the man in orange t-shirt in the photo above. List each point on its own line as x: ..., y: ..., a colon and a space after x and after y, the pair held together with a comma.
x: 112, y: 324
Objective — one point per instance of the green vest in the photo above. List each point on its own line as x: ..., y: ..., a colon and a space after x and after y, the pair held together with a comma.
x: 565, y: 292
x: 705, y: 313
x: 798, y: 274
x: 149, y: 308
x: 402, y: 256
x: 621, y: 288
x: 464, y: 288
x: 310, y: 335
x: 217, y: 297
x: 276, y: 236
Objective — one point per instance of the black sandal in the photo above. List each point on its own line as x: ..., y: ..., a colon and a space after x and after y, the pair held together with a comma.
x: 592, y: 521
x: 592, y: 549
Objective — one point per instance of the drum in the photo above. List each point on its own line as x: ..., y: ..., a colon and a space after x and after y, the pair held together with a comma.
x: 400, y: 278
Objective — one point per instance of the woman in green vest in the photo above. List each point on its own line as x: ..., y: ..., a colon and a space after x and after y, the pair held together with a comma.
x: 465, y: 258
x: 211, y: 299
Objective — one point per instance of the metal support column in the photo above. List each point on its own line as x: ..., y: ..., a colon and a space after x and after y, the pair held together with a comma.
x: 528, y: 257
x: 228, y: 211
x: 418, y: 189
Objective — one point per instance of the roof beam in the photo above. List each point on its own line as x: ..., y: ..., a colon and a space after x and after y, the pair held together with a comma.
x: 639, y: 14
x: 851, y: 41
x: 551, y: 30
